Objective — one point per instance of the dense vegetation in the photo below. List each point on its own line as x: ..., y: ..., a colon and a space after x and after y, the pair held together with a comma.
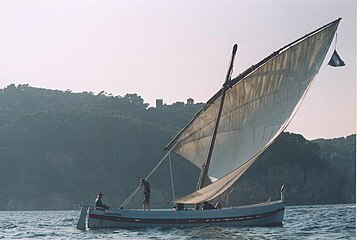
x: 303, y: 166
x: 58, y: 149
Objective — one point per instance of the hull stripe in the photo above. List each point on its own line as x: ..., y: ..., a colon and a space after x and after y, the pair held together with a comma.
x: 185, y: 221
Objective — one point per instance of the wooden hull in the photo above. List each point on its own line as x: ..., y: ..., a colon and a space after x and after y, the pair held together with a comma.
x: 263, y: 214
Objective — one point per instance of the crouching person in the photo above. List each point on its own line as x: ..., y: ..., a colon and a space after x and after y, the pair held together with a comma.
x: 178, y: 207
x: 99, y: 205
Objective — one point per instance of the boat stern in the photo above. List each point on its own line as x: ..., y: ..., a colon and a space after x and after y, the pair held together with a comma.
x: 81, y: 225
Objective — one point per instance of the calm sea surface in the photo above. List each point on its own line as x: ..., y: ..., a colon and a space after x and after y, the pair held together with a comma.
x: 301, y: 222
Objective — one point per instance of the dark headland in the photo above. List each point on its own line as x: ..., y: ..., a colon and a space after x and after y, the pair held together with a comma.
x: 58, y: 149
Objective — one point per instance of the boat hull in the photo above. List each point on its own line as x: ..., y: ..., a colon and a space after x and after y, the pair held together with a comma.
x: 263, y: 214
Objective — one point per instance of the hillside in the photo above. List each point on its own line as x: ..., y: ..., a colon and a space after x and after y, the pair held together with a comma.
x: 303, y: 166
x: 58, y: 149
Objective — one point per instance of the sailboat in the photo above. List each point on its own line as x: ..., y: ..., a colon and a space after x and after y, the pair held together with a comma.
x: 226, y: 136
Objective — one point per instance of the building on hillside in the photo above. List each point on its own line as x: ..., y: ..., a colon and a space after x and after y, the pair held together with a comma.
x: 159, y: 103
x: 190, y: 101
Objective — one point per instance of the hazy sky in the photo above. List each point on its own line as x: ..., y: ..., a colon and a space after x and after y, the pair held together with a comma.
x: 174, y: 49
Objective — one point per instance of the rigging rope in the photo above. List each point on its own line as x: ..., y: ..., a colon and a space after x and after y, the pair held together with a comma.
x: 172, y: 179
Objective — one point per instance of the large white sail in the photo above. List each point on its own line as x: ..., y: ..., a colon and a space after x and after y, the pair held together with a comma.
x: 257, y: 108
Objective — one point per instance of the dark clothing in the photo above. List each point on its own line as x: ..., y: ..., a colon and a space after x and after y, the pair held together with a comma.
x: 179, y: 207
x: 146, y: 187
x: 99, y: 204
x: 146, y: 192
x: 146, y: 198
x: 207, y: 206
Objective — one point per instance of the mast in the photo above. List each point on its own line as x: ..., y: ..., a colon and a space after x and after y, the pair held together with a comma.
x: 224, y: 88
x: 244, y: 75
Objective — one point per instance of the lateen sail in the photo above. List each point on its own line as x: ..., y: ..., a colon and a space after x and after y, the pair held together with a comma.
x: 257, y: 109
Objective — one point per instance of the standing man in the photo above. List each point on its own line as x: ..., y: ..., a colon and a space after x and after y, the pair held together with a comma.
x: 146, y: 191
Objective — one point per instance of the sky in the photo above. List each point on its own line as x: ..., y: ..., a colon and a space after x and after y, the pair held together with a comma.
x: 175, y: 49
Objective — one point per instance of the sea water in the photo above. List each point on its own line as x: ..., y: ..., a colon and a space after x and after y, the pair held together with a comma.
x: 300, y: 222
